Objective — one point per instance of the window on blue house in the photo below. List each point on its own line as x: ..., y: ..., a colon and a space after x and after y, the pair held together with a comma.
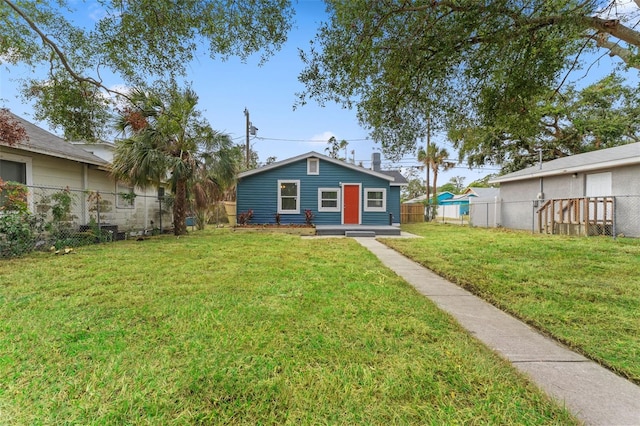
x: 375, y: 200
x: 289, y: 196
x: 313, y: 166
x: 328, y: 199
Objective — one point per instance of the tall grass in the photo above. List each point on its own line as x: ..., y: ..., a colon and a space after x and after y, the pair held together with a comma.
x: 217, y: 328
x: 583, y: 291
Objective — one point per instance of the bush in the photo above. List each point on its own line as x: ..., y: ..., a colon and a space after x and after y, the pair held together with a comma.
x: 17, y: 236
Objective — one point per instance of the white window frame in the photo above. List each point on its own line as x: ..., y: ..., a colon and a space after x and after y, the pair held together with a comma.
x: 310, y: 162
x: 297, y: 197
x: 366, y: 200
x: 338, y: 200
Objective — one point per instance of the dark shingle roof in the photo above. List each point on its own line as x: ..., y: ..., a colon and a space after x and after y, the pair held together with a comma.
x: 42, y: 142
x: 398, y: 179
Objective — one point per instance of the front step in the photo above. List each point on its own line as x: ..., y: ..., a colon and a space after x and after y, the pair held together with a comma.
x: 360, y: 234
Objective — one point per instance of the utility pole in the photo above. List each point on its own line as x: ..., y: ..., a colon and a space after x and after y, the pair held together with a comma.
x: 246, y: 114
x: 251, y: 130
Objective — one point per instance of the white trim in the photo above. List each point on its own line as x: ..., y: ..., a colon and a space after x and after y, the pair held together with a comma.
x: 342, y: 199
x: 310, y: 170
x: 365, y: 200
x: 297, y: 197
x: 338, y: 206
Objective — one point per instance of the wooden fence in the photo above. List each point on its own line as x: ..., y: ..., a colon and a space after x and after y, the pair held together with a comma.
x: 412, y: 213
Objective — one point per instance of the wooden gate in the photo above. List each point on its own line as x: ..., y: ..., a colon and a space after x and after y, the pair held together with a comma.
x: 412, y: 213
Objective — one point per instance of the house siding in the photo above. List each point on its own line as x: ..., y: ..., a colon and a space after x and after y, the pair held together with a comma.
x: 51, y: 174
x: 393, y: 204
x: 57, y: 172
x: 259, y: 193
x: 518, y: 211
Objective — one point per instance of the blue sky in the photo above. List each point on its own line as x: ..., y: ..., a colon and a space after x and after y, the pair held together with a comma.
x: 226, y: 88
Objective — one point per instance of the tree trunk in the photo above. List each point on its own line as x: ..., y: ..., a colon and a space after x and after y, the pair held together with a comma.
x: 435, y: 183
x: 180, y: 208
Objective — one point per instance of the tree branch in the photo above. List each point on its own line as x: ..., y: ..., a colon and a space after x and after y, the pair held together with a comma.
x: 58, y: 52
x: 614, y: 28
x: 602, y: 40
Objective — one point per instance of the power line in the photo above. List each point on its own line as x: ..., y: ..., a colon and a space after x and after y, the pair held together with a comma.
x: 308, y: 140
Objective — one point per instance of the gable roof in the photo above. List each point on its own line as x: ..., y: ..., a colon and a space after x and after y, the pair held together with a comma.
x: 42, y: 142
x: 623, y: 155
x: 398, y: 179
x: 313, y: 154
x: 483, y: 192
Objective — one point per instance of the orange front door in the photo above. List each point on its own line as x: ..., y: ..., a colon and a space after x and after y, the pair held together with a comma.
x: 351, y: 204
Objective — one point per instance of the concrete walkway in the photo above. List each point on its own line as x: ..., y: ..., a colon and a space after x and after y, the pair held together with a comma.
x: 595, y: 395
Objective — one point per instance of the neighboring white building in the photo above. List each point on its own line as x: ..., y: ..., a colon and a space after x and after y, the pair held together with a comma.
x: 48, y: 164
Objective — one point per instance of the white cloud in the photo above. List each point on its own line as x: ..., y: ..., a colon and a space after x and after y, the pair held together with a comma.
x: 621, y: 9
x: 322, y: 137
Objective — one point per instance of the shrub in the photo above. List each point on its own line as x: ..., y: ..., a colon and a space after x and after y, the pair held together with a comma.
x: 16, y: 233
x: 244, y: 218
x: 308, y: 216
x: 13, y: 197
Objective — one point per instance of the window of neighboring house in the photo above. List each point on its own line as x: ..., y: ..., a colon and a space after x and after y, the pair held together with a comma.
x: 375, y: 200
x: 125, y: 198
x: 313, y: 166
x: 328, y: 199
x: 14, y: 171
x: 289, y: 196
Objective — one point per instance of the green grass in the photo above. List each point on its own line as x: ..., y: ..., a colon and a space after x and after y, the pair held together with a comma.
x: 583, y: 291
x: 224, y: 328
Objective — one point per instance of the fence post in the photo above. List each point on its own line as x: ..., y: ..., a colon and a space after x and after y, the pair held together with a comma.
x: 613, y: 218
x: 486, y: 215
x: 98, y: 209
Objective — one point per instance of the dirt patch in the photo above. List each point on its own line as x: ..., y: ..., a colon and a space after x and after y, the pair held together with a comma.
x: 295, y: 229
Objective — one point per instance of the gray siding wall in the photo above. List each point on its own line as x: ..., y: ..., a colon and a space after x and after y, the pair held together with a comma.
x: 517, y: 203
x: 517, y: 197
x: 259, y: 193
x: 626, y: 181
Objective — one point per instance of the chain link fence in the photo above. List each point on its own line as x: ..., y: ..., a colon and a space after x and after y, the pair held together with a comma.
x: 627, y: 216
x: 44, y: 218
x: 456, y: 214
x: 617, y: 216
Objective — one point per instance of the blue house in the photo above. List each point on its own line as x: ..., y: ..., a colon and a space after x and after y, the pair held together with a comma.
x: 335, y: 192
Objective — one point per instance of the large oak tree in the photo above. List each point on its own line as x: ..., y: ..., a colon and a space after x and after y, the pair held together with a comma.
x: 138, y: 40
x: 403, y: 63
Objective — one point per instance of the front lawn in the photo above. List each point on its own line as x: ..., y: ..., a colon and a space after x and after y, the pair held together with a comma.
x: 583, y: 291
x: 227, y: 328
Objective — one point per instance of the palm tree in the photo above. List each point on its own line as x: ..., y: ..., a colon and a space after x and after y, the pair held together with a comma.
x: 333, y: 150
x: 435, y: 159
x: 167, y: 139
x: 215, y: 178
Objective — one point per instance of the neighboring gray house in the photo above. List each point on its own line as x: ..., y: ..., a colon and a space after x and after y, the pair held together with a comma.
x: 596, y: 192
x: 333, y: 191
